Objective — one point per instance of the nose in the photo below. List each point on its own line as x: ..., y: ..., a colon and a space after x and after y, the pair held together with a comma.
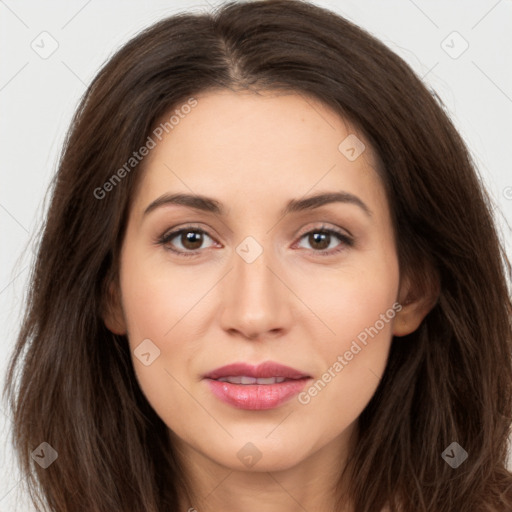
x: 256, y: 300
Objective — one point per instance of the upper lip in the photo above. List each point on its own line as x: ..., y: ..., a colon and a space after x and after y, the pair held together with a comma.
x: 263, y: 370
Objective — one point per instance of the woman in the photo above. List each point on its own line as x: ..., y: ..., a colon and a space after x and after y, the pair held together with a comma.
x: 198, y: 349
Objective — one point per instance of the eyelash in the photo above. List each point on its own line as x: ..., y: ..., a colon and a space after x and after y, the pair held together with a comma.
x: 345, y: 239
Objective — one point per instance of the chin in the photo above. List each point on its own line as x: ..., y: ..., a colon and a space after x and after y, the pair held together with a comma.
x: 259, y: 454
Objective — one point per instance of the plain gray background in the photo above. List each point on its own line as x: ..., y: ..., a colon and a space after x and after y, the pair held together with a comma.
x: 462, y: 49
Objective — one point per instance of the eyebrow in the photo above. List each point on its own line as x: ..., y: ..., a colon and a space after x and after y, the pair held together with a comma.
x: 210, y: 205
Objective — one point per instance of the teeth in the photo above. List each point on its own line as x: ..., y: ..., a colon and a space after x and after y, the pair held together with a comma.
x: 270, y: 380
x: 242, y: 379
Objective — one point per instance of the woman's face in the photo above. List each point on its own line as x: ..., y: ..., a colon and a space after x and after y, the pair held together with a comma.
x: 260, y: 274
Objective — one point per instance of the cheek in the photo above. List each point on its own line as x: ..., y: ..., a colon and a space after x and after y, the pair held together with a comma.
x: 357, y: 307
x: 160, y: 303
x: 156, y: 297
x: 347, y: 300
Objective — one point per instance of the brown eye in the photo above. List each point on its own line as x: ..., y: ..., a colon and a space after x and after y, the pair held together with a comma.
x: 191, y: 240
x: 187, y: 240
x: 321, y: 239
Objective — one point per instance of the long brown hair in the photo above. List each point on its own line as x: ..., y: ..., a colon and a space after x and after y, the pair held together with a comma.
x: 449, y: 381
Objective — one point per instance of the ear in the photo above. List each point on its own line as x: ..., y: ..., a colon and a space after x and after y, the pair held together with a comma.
x: 417, y: 299
x: 112, y: 311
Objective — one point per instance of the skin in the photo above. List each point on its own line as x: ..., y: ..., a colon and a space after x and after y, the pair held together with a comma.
x: 253, y: 153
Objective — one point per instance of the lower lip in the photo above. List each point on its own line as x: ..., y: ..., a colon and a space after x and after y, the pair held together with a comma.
x: 256, y: 396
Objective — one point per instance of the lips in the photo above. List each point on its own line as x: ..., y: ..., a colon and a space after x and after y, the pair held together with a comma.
x: 264, y: 370
x: 265, y: 386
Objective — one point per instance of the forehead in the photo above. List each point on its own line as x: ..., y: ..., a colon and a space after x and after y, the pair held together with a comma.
x: 258, y: 147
